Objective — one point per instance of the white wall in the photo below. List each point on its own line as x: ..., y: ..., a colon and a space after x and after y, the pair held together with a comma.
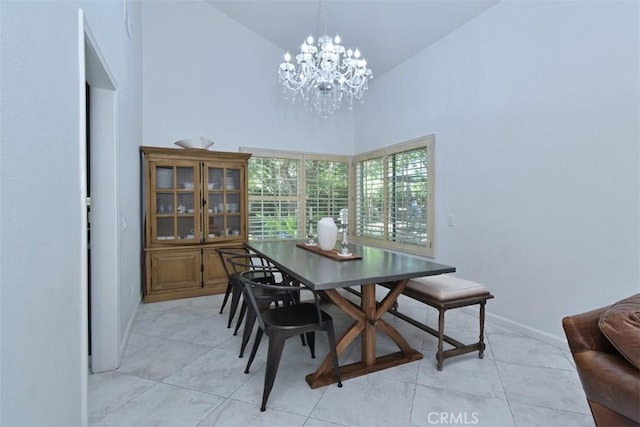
x: 535, y: 108
x: 206, y: 75
x: 129, y: 62
x: 42, y: 350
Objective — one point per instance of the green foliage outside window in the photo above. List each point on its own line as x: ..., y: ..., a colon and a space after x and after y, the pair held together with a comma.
x: 280, y: 195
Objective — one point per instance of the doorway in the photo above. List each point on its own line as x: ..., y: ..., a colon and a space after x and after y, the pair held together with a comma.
x: 101, y: 183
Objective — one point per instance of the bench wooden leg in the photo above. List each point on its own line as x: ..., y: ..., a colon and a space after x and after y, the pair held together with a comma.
x: 440, y: 354
x: 481, y: 338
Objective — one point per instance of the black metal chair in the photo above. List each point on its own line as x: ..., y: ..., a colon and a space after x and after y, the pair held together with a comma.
x: 234, y: 287
x: 277, y: 290
x: 282, y: 323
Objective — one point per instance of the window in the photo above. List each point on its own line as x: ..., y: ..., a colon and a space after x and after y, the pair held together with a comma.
x: 389, y: 194
x: 283, y: 186
x: 394, y: 197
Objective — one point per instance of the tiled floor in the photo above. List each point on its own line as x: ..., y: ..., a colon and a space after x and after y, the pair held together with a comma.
x: 181, y: 368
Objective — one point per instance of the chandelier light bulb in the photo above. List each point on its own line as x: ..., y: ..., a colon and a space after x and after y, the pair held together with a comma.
x: 349, y: 53
x: 309, y: 40
x: 287, y: 57
x: 356, y: 54
x: 337, y: 39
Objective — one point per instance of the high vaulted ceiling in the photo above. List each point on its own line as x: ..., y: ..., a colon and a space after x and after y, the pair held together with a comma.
x: 387, y: 32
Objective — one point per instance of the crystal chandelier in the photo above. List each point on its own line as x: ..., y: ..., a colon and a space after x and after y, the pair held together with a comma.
x: 325, y: 74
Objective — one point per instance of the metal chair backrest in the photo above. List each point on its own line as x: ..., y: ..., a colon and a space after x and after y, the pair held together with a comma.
x: 226, y: 253
x: 251, y: 285
x: 249, y: 262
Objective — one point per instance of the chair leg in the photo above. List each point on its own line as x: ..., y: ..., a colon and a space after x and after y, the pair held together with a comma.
x: 276, y: 344
x: 334, y: 352
x: 226, y: 297
x: 235, y: 299
x: 254, y: 349
x: 440, y: 353
x: 243, y: 311
x: 295, y: 299
x: 248, y: 327
x: 311, y: 340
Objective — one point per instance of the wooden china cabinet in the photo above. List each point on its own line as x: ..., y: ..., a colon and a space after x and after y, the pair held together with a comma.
x: 195, y: 201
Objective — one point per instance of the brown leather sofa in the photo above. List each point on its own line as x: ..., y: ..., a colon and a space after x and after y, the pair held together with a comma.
x: 605, y: 344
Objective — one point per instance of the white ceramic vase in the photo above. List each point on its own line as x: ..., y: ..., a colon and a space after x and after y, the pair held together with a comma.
x: 327, y: 234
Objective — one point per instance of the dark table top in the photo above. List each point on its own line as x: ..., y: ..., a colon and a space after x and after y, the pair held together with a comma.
x: 319, y: 272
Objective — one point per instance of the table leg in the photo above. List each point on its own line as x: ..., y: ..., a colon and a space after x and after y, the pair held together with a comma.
x: 368, y: 302
x: 366, y: 321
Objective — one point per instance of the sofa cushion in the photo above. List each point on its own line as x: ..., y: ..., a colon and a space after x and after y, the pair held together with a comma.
x: 621, y: 325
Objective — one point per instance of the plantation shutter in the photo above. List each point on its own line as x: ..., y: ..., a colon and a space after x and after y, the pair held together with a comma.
x: 370, y: 199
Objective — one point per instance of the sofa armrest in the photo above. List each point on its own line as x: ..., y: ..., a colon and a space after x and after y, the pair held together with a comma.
x: 611, y: 381
x: 583, y: 332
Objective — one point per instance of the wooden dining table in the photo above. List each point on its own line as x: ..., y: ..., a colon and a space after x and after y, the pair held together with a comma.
x: 366, y: 267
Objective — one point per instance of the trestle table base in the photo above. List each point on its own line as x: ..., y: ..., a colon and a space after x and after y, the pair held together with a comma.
x: 367, y: 321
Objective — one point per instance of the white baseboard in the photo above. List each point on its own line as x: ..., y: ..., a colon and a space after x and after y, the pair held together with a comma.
x: 528, y: 331
x: 127, y: 332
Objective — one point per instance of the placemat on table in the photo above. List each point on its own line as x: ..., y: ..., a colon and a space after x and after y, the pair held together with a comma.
x: 333, y: 254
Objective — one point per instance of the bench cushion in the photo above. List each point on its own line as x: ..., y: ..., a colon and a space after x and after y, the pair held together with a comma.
x: 445, y: 287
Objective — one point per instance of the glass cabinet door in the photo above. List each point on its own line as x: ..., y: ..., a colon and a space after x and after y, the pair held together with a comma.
x: 224, y: 202
x: 174, y: 205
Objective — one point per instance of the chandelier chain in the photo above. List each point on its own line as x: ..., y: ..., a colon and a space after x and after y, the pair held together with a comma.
x: 325, y: 12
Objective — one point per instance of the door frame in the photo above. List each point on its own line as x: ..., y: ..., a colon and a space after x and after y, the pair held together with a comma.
x: 103, y: 140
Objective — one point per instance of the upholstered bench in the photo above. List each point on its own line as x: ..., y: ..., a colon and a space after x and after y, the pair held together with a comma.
x: 445, y: 292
